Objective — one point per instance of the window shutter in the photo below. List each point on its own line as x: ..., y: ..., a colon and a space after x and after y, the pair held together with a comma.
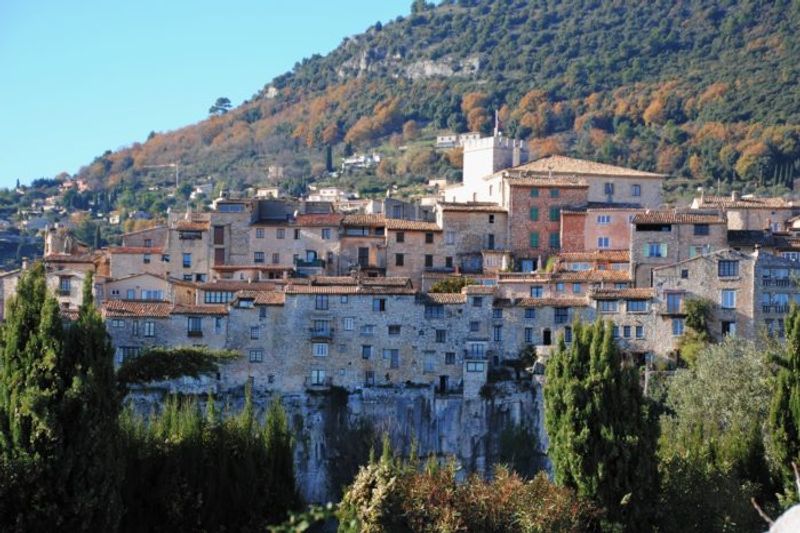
x: 534, y: 240
x: 663, y: 247
x: 534, y: 213
x: 646, y: 250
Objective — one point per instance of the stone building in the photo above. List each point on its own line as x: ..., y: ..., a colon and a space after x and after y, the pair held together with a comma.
x: 661, y: 238
x: 749, y: 212
x: 414, y: 247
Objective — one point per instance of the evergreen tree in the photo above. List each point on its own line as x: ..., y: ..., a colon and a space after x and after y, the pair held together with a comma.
x: 602, y: 437
x: 31, y: 390
x: 280, y: 459
x: 784, y: 416
x: 90, y: 471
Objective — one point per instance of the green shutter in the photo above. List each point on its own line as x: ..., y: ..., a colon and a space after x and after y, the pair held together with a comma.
x: 555, y: 240
x: 535, y: 192
x: 534, y: 240
x: 554, y: 193
x: 534, y: 213
x: 663, y: 246
x: 555, y: 214
x: 646, y: 250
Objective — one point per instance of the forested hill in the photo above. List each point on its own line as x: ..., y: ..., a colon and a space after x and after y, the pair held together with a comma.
x: 702, y: 90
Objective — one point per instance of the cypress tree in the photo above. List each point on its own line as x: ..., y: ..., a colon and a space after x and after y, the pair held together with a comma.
x: 784, y: 416
x: 280, y: 460
x: 602, y: 437
x: 31, y: 389
x: 90, y: 471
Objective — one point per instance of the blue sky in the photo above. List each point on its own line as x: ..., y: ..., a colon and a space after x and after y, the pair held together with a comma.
x: 83, y: 76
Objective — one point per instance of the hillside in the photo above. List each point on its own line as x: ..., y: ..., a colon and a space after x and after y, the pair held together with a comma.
x: 704, y: 91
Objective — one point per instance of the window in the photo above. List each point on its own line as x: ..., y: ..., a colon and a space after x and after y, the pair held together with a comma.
x: 490, y: 241
x: 555, y: 240
x: 577, y: 288
x: 117, y: 323
x: 474, y: 326
x: 534, y: 213
x: 165, y: 258
x: 727, y: 269
x: 429, y: 238
x: 677, y: 327
x: 655, y: 249
x: 321, y: 302
x: 639, y: 332
x: 701, y: 229
x: 555, y: 193
x: 626, y: 332
x: 491, y: 219
x: 560, y: 286
x: 320, y: 349
x: 366, y: 351
x: 146, y: 259
x: 297, y: 234
x: 187, y: 260
x: 529, y: 335
x: 429, y: 362
x: 400, y: 237
x: 450, y: 237
x: 728, y: 299
x: 369, y: 378
x: 149, y: 328
x: 434, y: 311
x: 217, y: 297
x: 537, y: 291
x: 448, y: 262
x: 555, y: 214
x: 148, y: 243
x: 636, y: 190
x: 393, y: 355
x: 259, y: 233
x: 497, y: 333
x: 218, y: 323
x: 728, y: 327
x: 477, y: 349
x: 637, y: 306
x: 187, y: 277
x: 255, y: 332
x: 317, y: 377
x: 394, y: 329
x: 603, y: 243
x: 608, y: 189
x: 280, y: 233
x: 348, y: 323
x: 475, y: 366
x: 258, y: 257
x: 535, y: 192
x: 450, y: 358
x: 441, y: 335
x: 561, y: 315
x: 276, y: 258
x: 674, y: 302
x: 603, y: 220
x: 567, y: 334
x: 428, y: 261
x: 127, y: 352
x: 685, y: 273
x: 530, y: 313
x: 194, y: 326
x: 130, y: 294
x: 256, y: 356
x: 607, y: 306
x: 379, y: 305
x: 615, y: 331
x: 534, y: 239
x: 477, y: 301
x: 149, y: 294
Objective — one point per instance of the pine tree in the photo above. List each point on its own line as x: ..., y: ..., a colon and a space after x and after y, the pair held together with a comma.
x: 31, y: 389
x: 602, y: 438
x: 784, y: 417
x: 90, y: 471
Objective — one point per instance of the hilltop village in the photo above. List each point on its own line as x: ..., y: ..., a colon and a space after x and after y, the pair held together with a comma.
x: 332, y: 290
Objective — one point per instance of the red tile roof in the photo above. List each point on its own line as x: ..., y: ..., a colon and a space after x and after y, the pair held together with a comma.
x: 200, y: 310
x: 674, y: 217
x: 190, y: 225
x: 319, y: 220
x: 263, y: 297
x: 523, y: 180
x: 552, y: 302
x: 126, y: 308
x: 742, y: 202
x: 346, y: 289
x: 238, y: 285
x: 569, y: 165
x: 411, y: 225
x: 640, y: 293
x: 364, y: 220
x: 134, y: 250
x: 445, y: 298
x: 480, y: 207
x: 612, y: 256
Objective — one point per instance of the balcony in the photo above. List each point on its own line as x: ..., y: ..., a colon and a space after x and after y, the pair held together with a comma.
x: 321, y: 334
x: 778, y: 282
x: 194, y: 333
x: 775, y: 309
x: 314, y: 263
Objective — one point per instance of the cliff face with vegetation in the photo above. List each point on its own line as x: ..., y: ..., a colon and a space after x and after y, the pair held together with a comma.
x: 704, y: 91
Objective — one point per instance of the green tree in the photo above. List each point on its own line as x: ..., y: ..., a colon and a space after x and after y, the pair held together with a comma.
x: 784, y: 415
x: 221, y: 106
x: 451, y: 285
x: 602, y: 436
x: 696, y: 337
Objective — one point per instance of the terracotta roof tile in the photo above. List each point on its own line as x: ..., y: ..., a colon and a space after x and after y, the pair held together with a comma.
x: 578, y: 276
x: 570, y: 165
x: 200, y: 310
x: 553, y: 302
x: 613, y: 256
x: 675, y: 217
x: 261, y: 266
x: 727, y: 202
x: 361, y: 219
x: 640, y: 293
x: 525, y: 180
x: 125, y: 308
x: 69, y: 258
x: 190, y: 225
x: 346, y: 289
x: 237, y: 285
x: 480, y: 207
x: 444, y: 298
x: 319, y: 219
x: 411, y: 225
x: 263, y: 297
x: 135, y: 250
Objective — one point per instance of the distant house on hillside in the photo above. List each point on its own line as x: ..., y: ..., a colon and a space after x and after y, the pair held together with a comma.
x: 455, y: 140
x: 361, y: 161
